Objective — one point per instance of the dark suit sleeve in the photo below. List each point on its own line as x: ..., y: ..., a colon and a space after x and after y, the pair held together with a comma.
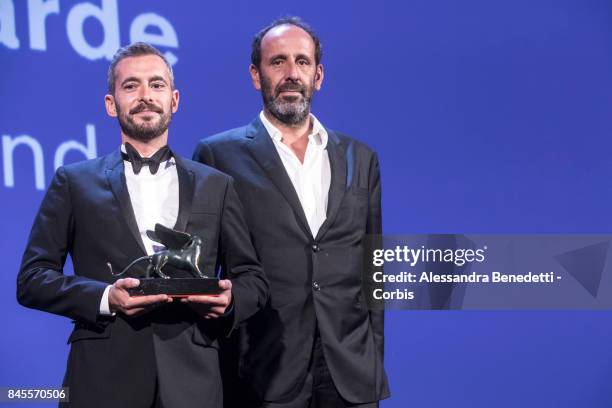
x: 41, y: 283
x: 239, y: 261
x: 374, y: 227
x: 203, y: 154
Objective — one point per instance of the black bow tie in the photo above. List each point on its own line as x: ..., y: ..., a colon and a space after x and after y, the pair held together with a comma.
x: 153, y: 162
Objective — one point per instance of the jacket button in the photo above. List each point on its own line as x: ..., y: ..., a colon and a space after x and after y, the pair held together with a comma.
x: 316, y: 248
x: 316, y: 286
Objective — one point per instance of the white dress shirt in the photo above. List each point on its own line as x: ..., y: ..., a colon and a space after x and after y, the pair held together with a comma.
x: 155, y: 199
x: 311, y: 179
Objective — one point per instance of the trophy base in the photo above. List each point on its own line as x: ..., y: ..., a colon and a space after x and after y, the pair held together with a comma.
x: 176, y: 287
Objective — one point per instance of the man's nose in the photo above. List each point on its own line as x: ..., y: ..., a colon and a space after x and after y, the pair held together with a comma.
x: 292, y: 71
x: 145, y: 93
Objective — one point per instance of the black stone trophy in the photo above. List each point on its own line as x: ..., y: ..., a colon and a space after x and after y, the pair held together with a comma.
x: 182, y: 253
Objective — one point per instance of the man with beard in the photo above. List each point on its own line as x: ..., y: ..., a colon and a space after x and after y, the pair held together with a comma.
x: 147, y: 351
x: 311, y: 195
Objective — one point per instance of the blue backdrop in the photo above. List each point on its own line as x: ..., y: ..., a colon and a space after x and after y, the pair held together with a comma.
x: 489, y: 117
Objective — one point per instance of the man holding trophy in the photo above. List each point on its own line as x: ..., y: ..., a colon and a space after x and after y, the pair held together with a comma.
x: 149, y: 350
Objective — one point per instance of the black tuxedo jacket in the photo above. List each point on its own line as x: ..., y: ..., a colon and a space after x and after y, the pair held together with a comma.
x: 314, y: 281
x: 119, y: 361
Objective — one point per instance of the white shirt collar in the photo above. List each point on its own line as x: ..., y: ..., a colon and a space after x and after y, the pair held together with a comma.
x: 318, y: 135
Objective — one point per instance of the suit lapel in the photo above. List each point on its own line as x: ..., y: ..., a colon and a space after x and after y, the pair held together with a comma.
x: 263, y: 150
x: 186, y: 181
x: 116, y: 178
x: 338, y: 167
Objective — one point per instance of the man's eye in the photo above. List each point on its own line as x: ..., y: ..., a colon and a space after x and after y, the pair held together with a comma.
x: 157, y: 85
x: 129, y: 87
x: 277, y: 62
x: 303, y: 62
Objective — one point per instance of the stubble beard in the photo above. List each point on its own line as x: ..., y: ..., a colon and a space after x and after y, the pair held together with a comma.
x: 146, y: 131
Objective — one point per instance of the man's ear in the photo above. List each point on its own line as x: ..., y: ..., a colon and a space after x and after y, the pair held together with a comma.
x: 319, y: 77
x: 255, y: 77
x: 175, y: 100
x: 111, y: 108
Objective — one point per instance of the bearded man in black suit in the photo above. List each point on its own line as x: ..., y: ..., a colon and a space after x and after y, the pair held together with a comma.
x: 311, y: 196
x: 148, y: 351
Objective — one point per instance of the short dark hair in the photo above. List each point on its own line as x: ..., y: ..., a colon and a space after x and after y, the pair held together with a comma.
x: 136, y: 49
x: 289, y: 20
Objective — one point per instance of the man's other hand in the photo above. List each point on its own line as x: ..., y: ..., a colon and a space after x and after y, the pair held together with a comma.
x: 212, y: 306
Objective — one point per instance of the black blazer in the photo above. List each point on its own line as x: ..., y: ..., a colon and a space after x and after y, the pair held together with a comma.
x: 118, y: 361
x: 313, y: 280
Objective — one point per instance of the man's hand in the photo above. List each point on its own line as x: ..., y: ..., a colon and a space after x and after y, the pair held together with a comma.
x: 120, y: 300
x: 212, y: 306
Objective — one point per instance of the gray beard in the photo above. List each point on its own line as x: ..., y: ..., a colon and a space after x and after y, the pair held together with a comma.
x: 290, y: 113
